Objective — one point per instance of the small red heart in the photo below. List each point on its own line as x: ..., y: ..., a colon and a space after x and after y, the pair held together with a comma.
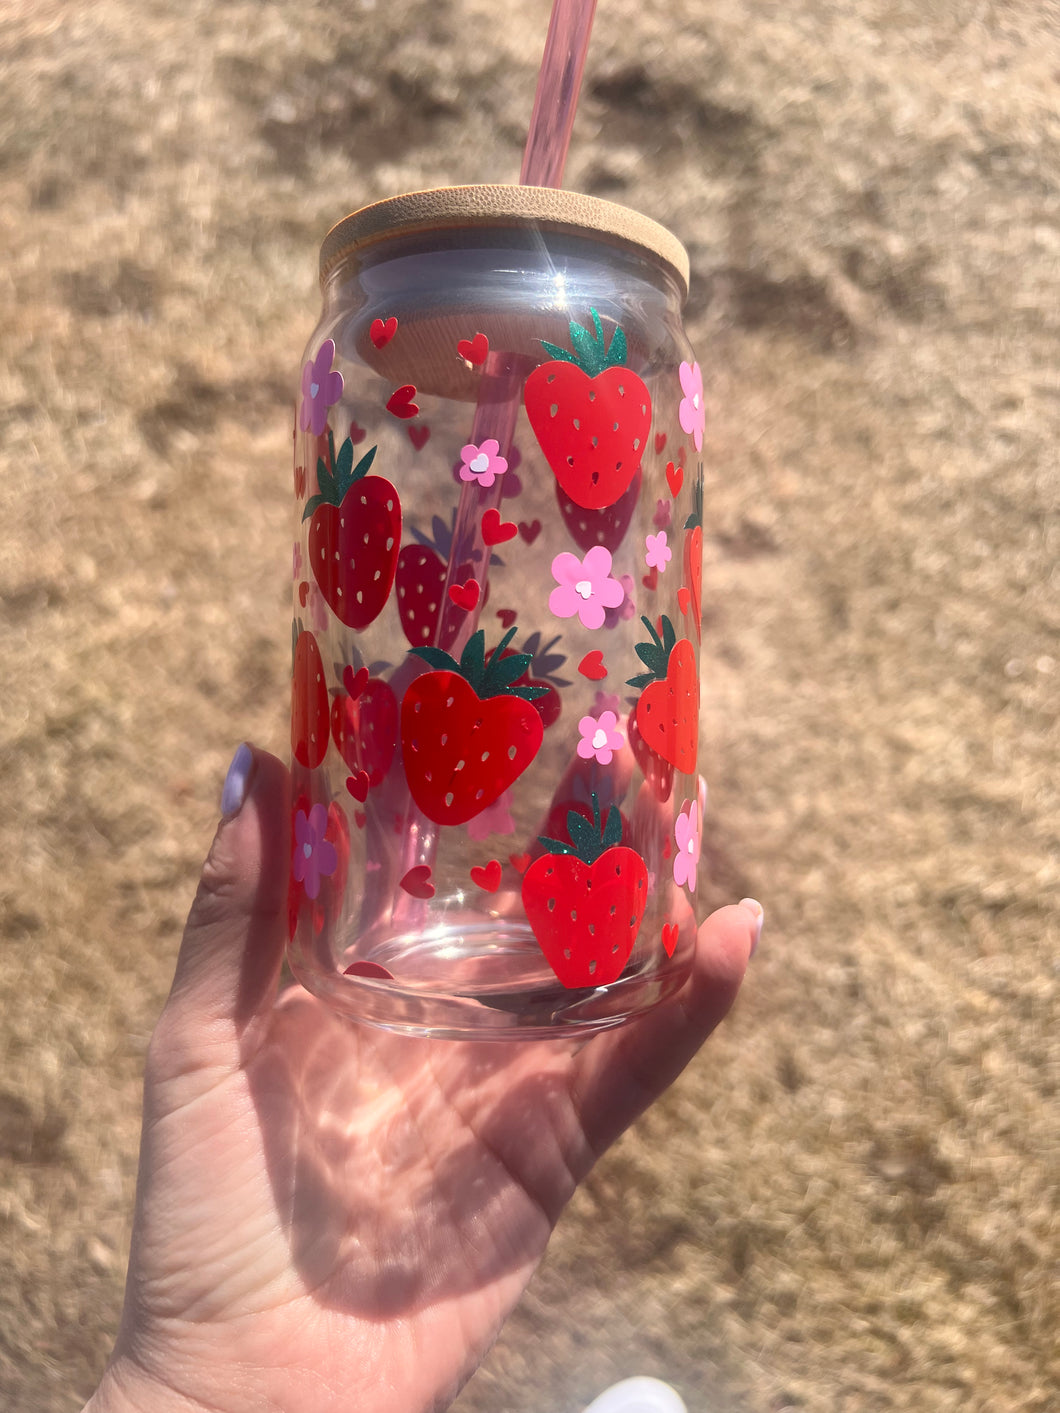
x: 303, y: 592
x: 507, y: 616
x: 675, y: 478
x: 520, y: 862
x: 299, y: 481
x: 360, y: 818
x: 474, y: 350
x: 358, y: 785
x: 660, y: 441
x: 465, y: 595
x: 669, y: 937
x: 684, y: 599
x: 369, y: 969
x: 488, y: 878
x: 651, y: 579
x: 495, y: 530
x: 418, y: 436
x: 418, y: 881
x: 592, y: 666
x: 357, y: 434
x: 354, y: 682
x: 381, y: 333
x: 530, y: 532
x: 402, y: 401
x: 666, y: 849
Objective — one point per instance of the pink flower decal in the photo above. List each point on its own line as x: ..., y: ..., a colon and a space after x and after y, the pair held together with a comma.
x: 586, y: 587
x: 606, y: 701
x: 664, y: 514
x: 494, y: 819
x: 659, y: 552
x: 314, y: 858
x: 687, y: 834
x: 600, y: 737
x: 692, y: 414
x: 321, y: 390
x: 482, y: 463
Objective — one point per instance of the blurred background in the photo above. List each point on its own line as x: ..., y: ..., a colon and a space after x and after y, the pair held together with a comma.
x: 850, y: 1201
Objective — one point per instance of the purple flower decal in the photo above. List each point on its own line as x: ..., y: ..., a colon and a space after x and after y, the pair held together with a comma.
x: 626, y: 609
x: 314, y: 858
x: 482, y: 463
x: 692, y: 414
x: 664, y: 514
x: 586, y: 587
x: 321, y: 390
x: 659, y: 552
x: 600, y: 737
x: 606, y: 701
x: 687, y: 835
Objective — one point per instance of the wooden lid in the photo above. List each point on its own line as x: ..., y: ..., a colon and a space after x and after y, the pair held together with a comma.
x: 547, y: 208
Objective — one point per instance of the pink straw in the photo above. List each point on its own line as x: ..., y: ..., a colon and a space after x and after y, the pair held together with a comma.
x: 559, y: 82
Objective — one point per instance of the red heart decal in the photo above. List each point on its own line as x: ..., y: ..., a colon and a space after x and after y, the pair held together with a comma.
x: 675, y: 478
x: 660, y: 441
x: 669, y: 937
x: 418, y: 881
x: 651, y: 579
x: 488, y: 878
x: 465, y: 595
x: 360, y: 818
x: 666, y: 849
x: 303, y: 592
x: 495, y: 530
x: 402, y: 401
x: 474, y: 350
x: 507, y: 616
x: 299, y: 481
x: 520, y: 862
x: 369, y: 969
x: 418, y: 436
x: 354, y: 682
x: 357, y: 434
x: 381, y: 333
x: 592, y: 666
x: 358, y: 785
x: 684, y: 599
x: 530, y: 531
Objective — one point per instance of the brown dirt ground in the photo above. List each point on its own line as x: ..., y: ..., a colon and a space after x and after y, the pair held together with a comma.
x: 850, y: 1203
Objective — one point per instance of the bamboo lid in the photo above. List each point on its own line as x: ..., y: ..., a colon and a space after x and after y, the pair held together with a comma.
x: 547, y: 208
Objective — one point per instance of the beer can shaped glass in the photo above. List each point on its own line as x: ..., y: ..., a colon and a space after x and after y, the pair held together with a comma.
x: 496, y: 802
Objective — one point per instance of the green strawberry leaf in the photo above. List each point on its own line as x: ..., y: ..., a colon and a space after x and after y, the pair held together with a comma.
x: 436, y: 658
x: 554, y: 846
x: 559, y: 354
x: 473, y: 660
x: 584, y: 837
x: 617, y: 354
x: 612, y: 834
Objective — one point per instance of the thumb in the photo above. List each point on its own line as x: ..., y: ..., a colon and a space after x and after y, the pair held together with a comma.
x: 230, y: 956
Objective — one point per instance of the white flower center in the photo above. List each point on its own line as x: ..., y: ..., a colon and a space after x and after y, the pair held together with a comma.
x: 481, y: 463
x: 314, y: 388
x: 691, y: 846
x: 307, y: 850
x: 584, y: 588
x: 600, y: 739
x: 695, y: 401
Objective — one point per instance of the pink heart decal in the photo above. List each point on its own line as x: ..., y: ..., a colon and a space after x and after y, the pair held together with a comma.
x: 402, y: 401
x: 488, y: 878
x: 496, y: 531
x: 474, y: 350
x: 675, y: 478
x: 354, y: 682
x: 530, y: 531
x: 465, y: 595
x: 418, y: 436
x: 418, y: 881
x: 381, y: 333
x: 592, y: 666
x: 358, y: 785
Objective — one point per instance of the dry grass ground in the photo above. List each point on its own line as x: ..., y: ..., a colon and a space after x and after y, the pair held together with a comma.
x: 850, y: 1203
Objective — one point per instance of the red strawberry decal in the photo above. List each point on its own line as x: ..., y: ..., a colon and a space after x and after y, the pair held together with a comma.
x: 354, y: 535
x: 309, y: 703
x: 364, y: 726
x: 658, y: 773
x: 667, y: 709
x: 541, y: 672
x: 605, y: 527
x: 590, y: 414
x: 467, y: 732
x: 422, y: 569
x: 585, y: 900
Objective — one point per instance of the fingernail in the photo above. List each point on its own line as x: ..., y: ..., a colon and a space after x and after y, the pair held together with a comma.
x: 754, y: 907
x: 237, y: 781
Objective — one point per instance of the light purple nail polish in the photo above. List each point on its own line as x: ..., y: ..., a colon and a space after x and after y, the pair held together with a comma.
x: 234, y: 790
x: 755, y: 907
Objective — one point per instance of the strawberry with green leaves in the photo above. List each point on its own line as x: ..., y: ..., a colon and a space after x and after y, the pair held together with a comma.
x: 591, y: 414
x: 585, y: 900
x: 467, y: 731
x: 354, y: 534
x: 667, y: 709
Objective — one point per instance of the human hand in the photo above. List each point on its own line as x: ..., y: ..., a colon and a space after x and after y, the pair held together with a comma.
x: 330, y: 1216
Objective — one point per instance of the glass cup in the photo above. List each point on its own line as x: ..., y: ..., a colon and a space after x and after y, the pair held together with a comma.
x: 497, y: 568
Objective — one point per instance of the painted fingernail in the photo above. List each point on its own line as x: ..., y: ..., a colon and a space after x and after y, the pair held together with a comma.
x: 237, y: 781
x: 754, y: 907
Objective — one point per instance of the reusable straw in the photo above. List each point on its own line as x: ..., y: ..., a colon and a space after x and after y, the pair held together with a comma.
x: 544, y: 158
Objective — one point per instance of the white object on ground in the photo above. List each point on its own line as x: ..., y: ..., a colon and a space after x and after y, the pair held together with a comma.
x: 639, y: 1395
